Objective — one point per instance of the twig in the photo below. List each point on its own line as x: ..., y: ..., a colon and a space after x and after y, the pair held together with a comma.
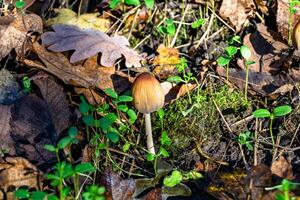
x: 206, y: 32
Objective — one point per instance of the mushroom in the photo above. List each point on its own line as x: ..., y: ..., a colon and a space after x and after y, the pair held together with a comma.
x: 296, y: 36
x: 148, y: 96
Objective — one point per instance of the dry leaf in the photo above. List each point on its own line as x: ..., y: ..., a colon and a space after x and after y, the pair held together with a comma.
x: 282, y: 168
x: 8, y: 144
x: 13, y: 34
x: 165, y: 62
x: 116, y: 187
x: 237, y: 11
x: 84, y: 21
x: 16, y: 172
x: 173, y: 92
x: 87, y: 43
x: 262, y: 6
x: 56, y: 99
x: 267, y: 51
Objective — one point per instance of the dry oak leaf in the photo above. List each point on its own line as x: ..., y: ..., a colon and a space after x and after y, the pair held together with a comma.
x: 237, y: 11
x: 87, y: 43
x: 282, y: 168
x: 14, y: 30
x: 84, y: 21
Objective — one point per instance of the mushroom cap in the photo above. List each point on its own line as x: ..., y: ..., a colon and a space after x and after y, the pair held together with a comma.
x: 296, y: 35
x: 148, y: 95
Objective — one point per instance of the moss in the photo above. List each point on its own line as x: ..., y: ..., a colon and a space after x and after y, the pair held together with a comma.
x: 201, y: 120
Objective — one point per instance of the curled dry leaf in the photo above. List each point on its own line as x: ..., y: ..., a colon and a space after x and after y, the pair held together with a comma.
x: 267, y: 50
x: 87, y: 43
x: 84, y: 21
x: 237, y: 12
x: 261, y: 5
x: 173, y: 92
x: 13, y: 31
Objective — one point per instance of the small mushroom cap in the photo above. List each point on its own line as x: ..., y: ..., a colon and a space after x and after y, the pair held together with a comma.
x: 147, y: 93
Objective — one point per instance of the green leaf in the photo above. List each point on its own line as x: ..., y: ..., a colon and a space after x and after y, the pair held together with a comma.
x: 114, y: 3
x: 110, y: 92
x: 150, y: 157
x: 149, y: 4
x: 161, y: 113
x: 171, y: 29
x: 174, y: 179
x: 38, y: 195
x: 52, y: 197
x: 84, y: 107
x: 106, y: 121
x: 73, y: 132
x: 250, y: 62
x: 123, y: 108
x: 125, y: 98
x: 132, y: 116
x: 84, y: 167
x: 236, y: 39
x: 49, y: 147
x: 165, y: 140
x: 20, y: 4
x: 175, y: 79
x: 126, y: 147
x: 133, y: 2
x: 194, y: 175
x: 64, y: 142
x: 22, y: 193
x: 88, y: 120
x: 231, y: 51
x: 198, y: 23
x: 246, y: 52
x: 261, y: 113
x: 222, y: 61
x: 101, y: 146
x: 112, y: 136
x: 282, y: 110
x: 163, y: 152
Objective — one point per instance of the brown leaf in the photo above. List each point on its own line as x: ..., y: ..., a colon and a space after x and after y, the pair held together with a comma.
x: 32, y: 128
x: 13, y: 32
x: 282, y: 168
x: 237, y: 11
x: 267, y: 51
x: 261, y: 83
x: 116, y: 187
x: 262, y: 6
x: 56, y: 99
x: 173, y: 92
x: 87, y: 43
x: 8, y: 143
x: 16, y: 172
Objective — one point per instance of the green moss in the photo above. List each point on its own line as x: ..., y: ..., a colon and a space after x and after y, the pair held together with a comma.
x: 201, y: 121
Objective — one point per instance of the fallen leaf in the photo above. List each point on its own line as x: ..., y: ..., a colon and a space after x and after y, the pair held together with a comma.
x: 84, y: 21
x: 267, y: 50
x: 261, y: 5
x: 56, y: 99
x: 32, y: 128
x: 13, y: 34
x: 237, y: 11
x: 87, y: 43
x: 116, y: 187
x: 165, y: 62
x: 16, y: 172
x: 282, y: 168
x: 173, y: 92
x: 7, y: 146
x: 10, y: 90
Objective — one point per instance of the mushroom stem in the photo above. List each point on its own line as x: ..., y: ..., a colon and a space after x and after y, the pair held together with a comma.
x: 150, y: 144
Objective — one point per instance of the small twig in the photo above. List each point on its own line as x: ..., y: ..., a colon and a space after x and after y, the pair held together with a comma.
x: 133, y: 23
x: 222, y: 116
x: 255, y: 143
x: 245, y: 120
x: 219, y: 18
x: 206, y: 32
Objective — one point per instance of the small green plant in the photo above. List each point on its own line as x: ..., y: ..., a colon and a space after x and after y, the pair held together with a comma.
x: 26, y: 84
x: 94, y: 192
x: 285, y: 187
x: 246, y: 138
x: 292, y: 10
x: 246, y: 53
x: 224, y: 60
x: 198, y: 23
x: 186, y: 77
x: 34, y: 195
x: 149, y: 3
x: 177, y: 177
x: 20, y: 4
x: 169, y: 28
x: 279, y: 111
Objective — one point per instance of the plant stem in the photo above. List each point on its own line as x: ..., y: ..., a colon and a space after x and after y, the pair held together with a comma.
x: 247, y: 76
x: 271, y: 131
x: 150, y: 144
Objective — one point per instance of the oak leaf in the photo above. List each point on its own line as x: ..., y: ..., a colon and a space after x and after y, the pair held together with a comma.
x: 13, y: 31
x: 87, y: 43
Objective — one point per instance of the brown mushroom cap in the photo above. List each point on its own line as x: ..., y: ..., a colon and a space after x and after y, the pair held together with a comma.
x: 296, y: 35
x: 147, y: 93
